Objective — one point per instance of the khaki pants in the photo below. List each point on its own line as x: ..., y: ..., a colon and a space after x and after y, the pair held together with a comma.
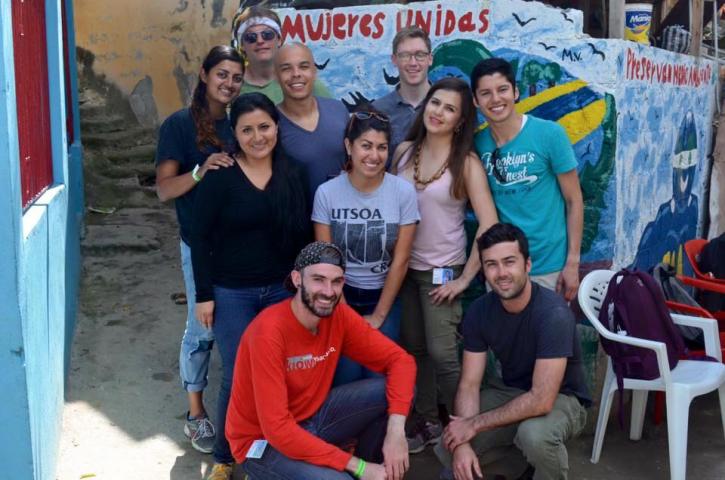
x: 430, y: 333
x: 547, y: 280
x: 538, y: 441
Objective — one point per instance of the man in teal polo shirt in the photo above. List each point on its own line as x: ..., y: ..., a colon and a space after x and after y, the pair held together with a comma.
x: 532, y: 174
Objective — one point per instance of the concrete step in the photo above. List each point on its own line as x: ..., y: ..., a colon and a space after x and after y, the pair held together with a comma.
x: 130, y: 191
x: 141, y: 170
x: 90, y: 111
x: 114, y: 239
x: 128, y: 137
x: 139, y: 154
x: 103, y: 124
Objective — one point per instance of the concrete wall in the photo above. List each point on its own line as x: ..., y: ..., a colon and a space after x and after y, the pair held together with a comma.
x: 39, y: 270
x: 152, y: 50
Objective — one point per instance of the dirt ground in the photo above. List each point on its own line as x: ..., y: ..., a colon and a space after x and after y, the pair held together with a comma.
x: 124, y: 410
x: 124, y: 405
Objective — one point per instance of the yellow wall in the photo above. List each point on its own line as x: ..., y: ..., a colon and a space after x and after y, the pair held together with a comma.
x: 164, y: 39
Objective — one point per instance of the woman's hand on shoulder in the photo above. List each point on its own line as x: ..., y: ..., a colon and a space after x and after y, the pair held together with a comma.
x: 215, y: 161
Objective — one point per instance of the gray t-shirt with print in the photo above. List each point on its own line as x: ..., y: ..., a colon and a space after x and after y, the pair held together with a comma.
x: 365, y: 225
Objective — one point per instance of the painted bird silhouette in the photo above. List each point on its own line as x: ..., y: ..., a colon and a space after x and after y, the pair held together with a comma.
x: 357, y: 99
x: 596, y: 51
x: 390, y: 79
x: 547, y: 47
x: 566, y: 17
x: 522, y: 22
x: 322, y: 66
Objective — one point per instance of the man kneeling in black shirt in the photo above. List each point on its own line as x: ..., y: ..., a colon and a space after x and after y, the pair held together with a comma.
x: 540, y: 401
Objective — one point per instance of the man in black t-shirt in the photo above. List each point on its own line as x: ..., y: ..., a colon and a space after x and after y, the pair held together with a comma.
x: 540, y: 401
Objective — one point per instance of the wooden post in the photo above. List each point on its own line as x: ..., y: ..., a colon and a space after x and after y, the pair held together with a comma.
x: 586, y: 11
x: 667, y: 5
x: 696, y: 11
x: 616, y: 19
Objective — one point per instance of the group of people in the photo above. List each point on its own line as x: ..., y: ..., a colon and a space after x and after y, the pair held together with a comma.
x: 324, y: 342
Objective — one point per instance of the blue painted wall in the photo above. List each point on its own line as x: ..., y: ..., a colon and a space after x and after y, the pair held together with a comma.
x: 39, y: 268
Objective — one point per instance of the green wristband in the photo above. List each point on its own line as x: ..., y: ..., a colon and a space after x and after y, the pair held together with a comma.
x: 360, y: 468
x: 195, y: 175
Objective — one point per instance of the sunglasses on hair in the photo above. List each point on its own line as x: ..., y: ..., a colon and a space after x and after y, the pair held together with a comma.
x: 495, y: 170
x: 267, y: 35
x: 366, y: 116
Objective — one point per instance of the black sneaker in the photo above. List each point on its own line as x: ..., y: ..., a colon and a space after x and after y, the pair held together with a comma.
x: 426, y: 433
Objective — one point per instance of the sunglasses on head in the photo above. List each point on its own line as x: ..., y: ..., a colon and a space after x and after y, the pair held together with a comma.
x: 267, y: 35
x: 496, y: 172
x: 366, y: 116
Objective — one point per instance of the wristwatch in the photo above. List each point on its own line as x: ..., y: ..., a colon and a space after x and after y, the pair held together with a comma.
x: 195, y: 174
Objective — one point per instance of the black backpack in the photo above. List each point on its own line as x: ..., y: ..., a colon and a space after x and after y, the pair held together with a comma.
x: 675, y: 291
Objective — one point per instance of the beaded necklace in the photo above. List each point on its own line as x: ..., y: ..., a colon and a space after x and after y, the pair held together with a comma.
x: 420, y: 184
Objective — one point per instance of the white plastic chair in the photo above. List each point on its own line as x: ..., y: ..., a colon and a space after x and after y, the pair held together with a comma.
x: 687, y: 380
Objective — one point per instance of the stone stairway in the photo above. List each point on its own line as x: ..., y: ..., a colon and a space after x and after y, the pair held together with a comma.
x: 118, y: 157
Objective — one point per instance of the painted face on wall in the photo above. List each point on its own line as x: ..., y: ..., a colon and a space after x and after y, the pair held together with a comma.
x: 413, y: 60
x: 296, y: 71
x: 505, y: 269
x: 223, y: 82
x: 256, y: 134
x: 260, y: 44
x: 442, y: 113
x: 685, y: 158
x: 495, y: 97
x: 368, y: 153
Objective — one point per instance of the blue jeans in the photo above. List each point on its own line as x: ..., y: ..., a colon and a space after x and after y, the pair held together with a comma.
x: 353, y: 412
x: 364, y: 302
x: 234, y: 309
x: 197, y: 342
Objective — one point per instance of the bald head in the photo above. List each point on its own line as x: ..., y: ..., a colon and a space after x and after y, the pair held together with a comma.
x: 296, y: 71
x: 294, y: 49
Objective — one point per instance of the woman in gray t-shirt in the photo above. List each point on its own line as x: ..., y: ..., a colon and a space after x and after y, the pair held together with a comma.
x: 371, y: 215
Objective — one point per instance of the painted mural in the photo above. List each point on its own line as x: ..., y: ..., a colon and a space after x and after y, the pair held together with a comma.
x: 650, y: 114
x: 622, y: 104
x: 665, y: 137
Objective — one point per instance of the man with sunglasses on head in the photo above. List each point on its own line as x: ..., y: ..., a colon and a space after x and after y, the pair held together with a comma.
x: 532, y: 174
x: 284, y: 419
x: 412, y: 56
x: 257, y: 34
x: 311, y: 128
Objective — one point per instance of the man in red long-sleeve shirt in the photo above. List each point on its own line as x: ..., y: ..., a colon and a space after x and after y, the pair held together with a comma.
x: 284, y: 419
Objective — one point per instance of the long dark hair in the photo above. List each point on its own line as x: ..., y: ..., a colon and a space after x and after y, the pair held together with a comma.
x: 462, y: 142
x: 287, y: 187
x: 205, y: 131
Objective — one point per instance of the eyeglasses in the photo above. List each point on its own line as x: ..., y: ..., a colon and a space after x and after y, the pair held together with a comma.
x: 494, y: 168
x: 365, y: 116
x: 406, y: 56
x: 267, y: 35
